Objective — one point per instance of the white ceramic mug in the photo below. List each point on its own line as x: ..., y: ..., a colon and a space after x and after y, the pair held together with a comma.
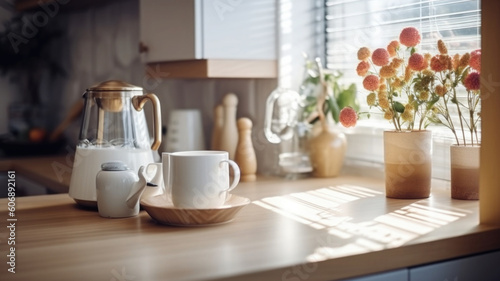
x: 199, y: 179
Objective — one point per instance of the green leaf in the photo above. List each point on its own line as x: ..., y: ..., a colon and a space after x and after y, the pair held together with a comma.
x: 329, y: 77
x: 312, y: 80
x: 334, y: 108
x: 432, y: 102
x: 310, y: 99
x: 336, y: 90
x: 353, y: 101
x: 398, y: 107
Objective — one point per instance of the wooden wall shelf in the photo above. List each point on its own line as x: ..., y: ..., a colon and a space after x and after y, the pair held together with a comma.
x: 214, y: 68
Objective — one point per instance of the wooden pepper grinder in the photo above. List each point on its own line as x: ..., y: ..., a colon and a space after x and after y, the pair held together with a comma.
x: 229, y: 134
x: 245, y: 153
x: 218, y: 124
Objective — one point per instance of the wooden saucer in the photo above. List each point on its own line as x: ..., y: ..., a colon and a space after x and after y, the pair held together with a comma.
x: 161, y: 209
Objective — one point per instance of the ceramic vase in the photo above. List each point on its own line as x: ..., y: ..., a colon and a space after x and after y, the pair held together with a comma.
x: 464, y: 162
x: 408, y: 168
x: 327, y: 151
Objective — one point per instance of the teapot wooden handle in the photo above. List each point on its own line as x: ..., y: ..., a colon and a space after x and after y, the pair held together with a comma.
x: 139, y: 102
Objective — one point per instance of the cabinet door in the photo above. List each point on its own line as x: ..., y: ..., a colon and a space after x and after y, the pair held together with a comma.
x: 396, y: 275
x: 484, y: 267
x: 237, y: 29
x: 175, y: 30
x: 168, y: 30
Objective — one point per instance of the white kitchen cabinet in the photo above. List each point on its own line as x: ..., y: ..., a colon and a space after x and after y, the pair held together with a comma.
x: 484, y: 267
x: 209, y: 38
x: 396, y: 275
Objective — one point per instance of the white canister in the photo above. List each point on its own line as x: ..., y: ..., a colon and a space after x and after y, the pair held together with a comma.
x: 185, y: 131
x: 119, y: 190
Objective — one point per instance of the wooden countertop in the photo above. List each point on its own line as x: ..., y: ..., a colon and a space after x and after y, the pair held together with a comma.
x: 314, y: 229
x: 54, y: 172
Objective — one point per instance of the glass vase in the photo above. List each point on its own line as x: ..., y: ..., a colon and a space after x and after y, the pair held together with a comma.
x: 408, y: 166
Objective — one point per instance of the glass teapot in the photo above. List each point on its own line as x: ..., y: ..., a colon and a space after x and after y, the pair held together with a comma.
x: 113, y: 116
x: 113, y: 128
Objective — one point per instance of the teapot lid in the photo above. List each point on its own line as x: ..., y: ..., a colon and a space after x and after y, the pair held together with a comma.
x: 114, y: 85
x: 114, y: 166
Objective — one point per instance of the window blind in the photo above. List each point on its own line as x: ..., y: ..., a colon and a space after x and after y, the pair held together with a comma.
x: 351, y: 24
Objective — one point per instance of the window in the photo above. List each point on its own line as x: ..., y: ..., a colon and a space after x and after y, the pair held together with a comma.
x: 350, y: 25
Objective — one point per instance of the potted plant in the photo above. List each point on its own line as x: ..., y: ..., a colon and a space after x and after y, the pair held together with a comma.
x: 459, y: 73
x: 324, y: 98
x: 413, y: 90
x: 400, y: 84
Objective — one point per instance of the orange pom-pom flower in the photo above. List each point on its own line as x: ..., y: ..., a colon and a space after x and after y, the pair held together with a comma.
x: 410, y: 37
x: 393, y: 47
x: 362, y: 68
x: 380, y: 57
x: 371, y: 82
x: 348, y: 117
x: 472, y: 81
x: 440, y: 63
x: 475, y: 60
x: 364, y: 53
x: 417, y: 62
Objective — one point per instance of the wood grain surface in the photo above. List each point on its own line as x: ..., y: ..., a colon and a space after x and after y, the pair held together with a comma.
x: 54, y: 172
x: 310, y: 229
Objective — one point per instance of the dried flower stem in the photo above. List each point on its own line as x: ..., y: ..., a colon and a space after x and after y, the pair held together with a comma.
x: 473, y: 101
x: 450, y: 122
x: 459, y: 115
x: 324, y: 93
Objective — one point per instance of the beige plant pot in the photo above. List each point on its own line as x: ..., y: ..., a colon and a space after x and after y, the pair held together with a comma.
x: 408, y: 166
x: 464, y: 162
x: 326, y: 152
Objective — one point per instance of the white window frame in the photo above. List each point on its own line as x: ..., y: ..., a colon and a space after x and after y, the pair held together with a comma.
x: 365, y: 142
